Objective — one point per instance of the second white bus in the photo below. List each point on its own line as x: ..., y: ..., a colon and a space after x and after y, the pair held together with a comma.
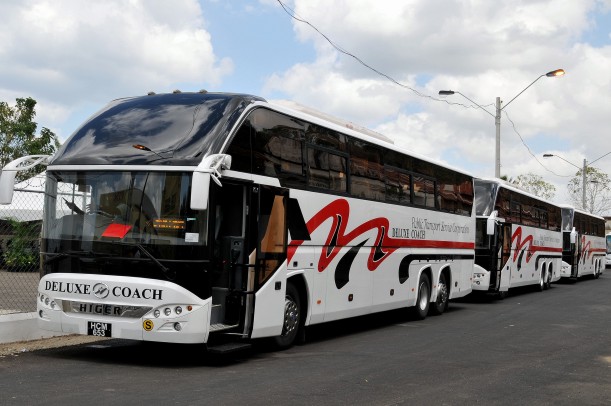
x: 518, y: 239
x: 584, y: 247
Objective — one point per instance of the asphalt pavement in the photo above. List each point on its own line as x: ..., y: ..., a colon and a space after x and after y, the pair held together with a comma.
x: 533, y: 348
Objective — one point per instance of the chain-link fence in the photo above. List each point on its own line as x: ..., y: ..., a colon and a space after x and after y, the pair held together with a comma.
x: 20, y: 225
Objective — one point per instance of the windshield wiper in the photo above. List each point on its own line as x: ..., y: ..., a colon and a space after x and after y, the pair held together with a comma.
x: 171, y: 275
x: 71, y: 254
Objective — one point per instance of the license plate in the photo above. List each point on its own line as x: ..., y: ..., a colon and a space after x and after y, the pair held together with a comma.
x: 99, y: 329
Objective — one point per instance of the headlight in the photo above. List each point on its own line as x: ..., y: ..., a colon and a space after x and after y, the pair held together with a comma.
x: 173, y: 310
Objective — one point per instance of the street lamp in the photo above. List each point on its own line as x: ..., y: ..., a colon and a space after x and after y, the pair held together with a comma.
x: 583, y: 173
x: 497, y: 117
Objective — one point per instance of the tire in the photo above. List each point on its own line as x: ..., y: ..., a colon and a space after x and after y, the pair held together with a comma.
x: 441, y: 303
x: 548, y: 281
x: 292, y: 319
x: 423, y: 301
x: 541, y: 281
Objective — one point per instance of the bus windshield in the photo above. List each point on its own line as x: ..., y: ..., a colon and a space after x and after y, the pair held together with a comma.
x: 567, y: 218
x: 485, y: 196
x: 133, y: 207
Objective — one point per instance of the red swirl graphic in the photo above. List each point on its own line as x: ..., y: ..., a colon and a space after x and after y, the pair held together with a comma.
x: 527, y: 244
x: 338, y: 212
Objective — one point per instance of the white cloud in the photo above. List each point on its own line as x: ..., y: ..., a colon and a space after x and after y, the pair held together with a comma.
x: 482, y: 49
x: 66, y: 53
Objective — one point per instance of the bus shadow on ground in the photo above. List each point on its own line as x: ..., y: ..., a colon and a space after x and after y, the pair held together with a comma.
x: 166, y: 355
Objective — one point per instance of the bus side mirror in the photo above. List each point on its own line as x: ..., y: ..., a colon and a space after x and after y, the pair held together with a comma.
x: 491, y: 223
x: 200, y: 189
x: 9, y: 172
x: 573, y: 236
x: 209, y: 168
x: 7, y: 185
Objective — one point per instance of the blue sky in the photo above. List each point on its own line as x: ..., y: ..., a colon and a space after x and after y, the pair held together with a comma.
x: 73, y: 56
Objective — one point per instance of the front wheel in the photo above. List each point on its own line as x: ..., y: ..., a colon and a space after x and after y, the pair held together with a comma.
x: 501, y: 295
x: 441, y: 304
x: 424, y: 297
x: 292, y: 318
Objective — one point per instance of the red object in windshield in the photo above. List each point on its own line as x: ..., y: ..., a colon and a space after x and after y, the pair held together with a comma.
x: 116, y: 230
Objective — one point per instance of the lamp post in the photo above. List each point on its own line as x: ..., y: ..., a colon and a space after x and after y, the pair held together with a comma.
x: 497, y: 116
x: 583, y: 173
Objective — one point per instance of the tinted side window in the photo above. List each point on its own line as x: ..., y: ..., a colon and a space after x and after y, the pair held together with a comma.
x: 366, y: 171
x: 278, y: 147
x: 424, y: 191
x: 240, y: 149
x: 325, y: 138
x: 398, y: 186
x: 326, y: 170
x: 398, y: 160
x: 465, y: 194
x: 448, y: 190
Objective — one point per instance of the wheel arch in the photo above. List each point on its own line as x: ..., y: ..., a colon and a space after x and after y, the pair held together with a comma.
x: 446, y: 271
x: 428, y: 271
x: 300, y: 283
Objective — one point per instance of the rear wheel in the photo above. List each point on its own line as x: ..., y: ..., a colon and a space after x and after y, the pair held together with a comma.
x: 441, y: 303
x: 541, y: 281
x: 292, y: 318
x: 424, y: 298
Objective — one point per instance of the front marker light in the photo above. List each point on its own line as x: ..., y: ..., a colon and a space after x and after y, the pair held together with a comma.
x: 167, y: 311
x: 178, y: 309
x: 157, y: 313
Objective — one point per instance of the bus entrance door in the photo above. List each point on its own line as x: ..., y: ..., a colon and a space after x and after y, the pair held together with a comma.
x: 269, y: 279
x: 576, y: 256
x: 250, y: 235
x: 228, y: 211
x: 504, y: 268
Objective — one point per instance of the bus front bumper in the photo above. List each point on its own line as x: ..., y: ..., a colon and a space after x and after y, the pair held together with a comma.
x: 481, y: 279
x: 565, y: 270
x: 67, y: 303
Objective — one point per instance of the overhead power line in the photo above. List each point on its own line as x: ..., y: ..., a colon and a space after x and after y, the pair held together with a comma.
x: 337, y: 47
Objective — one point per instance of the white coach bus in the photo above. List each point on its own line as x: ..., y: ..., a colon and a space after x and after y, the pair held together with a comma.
x: 518, y: 239
x: 584, y: 246
x: 200, y: 217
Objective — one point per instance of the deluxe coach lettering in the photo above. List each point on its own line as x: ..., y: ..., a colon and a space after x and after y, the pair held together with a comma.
x: 117, y: 291
x: 68, y: 287
x: 135, y: 293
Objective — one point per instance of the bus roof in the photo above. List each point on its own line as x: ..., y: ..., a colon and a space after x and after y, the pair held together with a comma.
x: 180, y: 129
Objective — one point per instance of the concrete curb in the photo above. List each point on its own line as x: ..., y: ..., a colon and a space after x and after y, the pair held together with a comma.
x: 22, y: 327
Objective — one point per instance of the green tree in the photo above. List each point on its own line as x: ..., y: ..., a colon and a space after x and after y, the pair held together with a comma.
x: 598, y: 192
x: 18, y: 134
x: 535, y: 185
